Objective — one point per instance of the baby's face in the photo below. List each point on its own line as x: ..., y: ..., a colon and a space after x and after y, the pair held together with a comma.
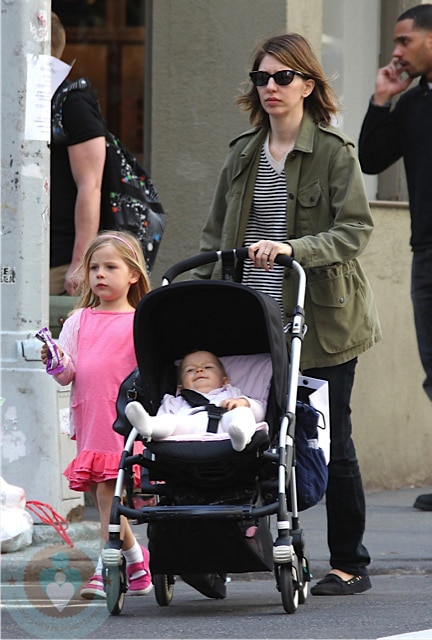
x: 201, y: 371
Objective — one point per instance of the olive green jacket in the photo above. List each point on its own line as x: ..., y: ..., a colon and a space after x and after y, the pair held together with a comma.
x: 329, y: 224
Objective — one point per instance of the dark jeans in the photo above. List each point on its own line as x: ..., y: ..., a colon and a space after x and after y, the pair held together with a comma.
x: 345, y: 500
x: 421, y: 295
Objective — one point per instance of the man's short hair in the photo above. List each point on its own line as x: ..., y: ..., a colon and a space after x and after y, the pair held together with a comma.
x: 58, y: 36
x: 421, y: 15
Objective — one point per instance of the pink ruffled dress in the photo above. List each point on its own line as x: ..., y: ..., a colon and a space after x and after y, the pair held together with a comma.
x: 104, y: 355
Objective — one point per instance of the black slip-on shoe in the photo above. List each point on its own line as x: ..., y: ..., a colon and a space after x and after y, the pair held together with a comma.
x: 332, y: 585
x: 424, y: 502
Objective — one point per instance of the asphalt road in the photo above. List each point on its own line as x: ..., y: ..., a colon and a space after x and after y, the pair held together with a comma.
x: 398, y: 538
x: 397, y: 604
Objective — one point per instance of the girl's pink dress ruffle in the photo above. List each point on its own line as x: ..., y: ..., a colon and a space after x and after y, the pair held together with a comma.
x: 92, y: 467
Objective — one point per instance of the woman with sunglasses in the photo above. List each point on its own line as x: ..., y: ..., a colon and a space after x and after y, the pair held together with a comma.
x: 292, y: 185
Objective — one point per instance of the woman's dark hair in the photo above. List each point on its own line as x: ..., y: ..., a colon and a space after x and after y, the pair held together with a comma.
x: 294, y: 52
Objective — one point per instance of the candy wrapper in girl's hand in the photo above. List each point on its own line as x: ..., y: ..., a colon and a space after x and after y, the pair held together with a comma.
x: 54, y: 364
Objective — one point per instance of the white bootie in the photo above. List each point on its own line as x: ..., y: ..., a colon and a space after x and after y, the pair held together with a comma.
x: 240, y: 425
x: 148, y: 426
x: 139, y: 418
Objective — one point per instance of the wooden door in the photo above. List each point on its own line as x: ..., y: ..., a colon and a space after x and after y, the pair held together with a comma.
x: 106, y: 39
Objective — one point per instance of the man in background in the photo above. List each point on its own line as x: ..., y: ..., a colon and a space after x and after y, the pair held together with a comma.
x: 77, y: 165
x: 404, y: 130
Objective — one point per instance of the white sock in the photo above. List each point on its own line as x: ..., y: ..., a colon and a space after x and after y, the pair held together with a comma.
x: 134, y: 555
x: 139, y: 418
x: 150, y: 426
x: 240, y: 425
x: 240, y: 436
x: 99, y: 567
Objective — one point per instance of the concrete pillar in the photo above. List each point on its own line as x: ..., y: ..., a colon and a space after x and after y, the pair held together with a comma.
x: 34, y: 450
x: 306, y: 18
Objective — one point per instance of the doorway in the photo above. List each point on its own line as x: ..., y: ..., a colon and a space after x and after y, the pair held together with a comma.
x: 106, y: 44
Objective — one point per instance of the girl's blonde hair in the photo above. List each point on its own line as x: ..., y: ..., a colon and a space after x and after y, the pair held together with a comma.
x: 129, y: 250
x: 294, y: 52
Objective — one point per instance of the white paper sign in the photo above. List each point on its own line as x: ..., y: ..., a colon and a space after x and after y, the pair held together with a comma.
x: 59, y: 71
x: 44, y: 74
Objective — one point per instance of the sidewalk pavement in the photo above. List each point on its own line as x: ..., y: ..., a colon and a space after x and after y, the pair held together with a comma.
x: 398, y: 538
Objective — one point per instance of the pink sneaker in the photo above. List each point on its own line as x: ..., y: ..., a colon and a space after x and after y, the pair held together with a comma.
x: 142, y: 584
x: 94, y: 589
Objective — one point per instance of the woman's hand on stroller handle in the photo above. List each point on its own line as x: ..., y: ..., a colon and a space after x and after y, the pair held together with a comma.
x: 264, y: 253
x: 283, y: 256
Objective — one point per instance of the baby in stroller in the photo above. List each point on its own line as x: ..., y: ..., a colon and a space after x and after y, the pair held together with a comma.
x: 215, y: 405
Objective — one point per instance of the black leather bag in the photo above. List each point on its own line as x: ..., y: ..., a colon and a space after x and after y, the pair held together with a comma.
x: 130, y: 389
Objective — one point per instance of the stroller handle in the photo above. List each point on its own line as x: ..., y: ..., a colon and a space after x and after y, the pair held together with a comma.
x: 209, y: 257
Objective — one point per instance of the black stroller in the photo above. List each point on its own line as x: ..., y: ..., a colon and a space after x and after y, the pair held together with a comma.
x: 207, y: 495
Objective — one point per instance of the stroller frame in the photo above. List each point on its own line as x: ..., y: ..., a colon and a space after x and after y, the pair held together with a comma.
x: 287, y: 557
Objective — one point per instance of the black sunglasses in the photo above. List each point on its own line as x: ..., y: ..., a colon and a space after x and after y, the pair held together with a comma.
x: 283, y: 78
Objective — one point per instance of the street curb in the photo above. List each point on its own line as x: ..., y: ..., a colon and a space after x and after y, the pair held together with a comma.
x: 79, y: 532
x: 86, y: 536
x: 47, y: 543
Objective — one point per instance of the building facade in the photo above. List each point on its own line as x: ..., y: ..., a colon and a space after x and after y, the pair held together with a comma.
x: 167, y: 74
x: 200, y: 55
x: 197, y: 54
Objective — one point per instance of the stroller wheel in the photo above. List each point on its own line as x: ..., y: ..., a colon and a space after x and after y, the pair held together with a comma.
x: 164, y: 589
x: 115, y: 587
x: 290, y: 595
x: 304, y: 590
x: 303, y: 593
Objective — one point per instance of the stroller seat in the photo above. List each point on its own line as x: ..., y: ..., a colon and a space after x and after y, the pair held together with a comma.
x: 208, y: 460
x: 202, y: 462
x: 252, y: 375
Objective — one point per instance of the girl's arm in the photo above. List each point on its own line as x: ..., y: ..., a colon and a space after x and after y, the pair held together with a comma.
x: 68, y: 346
x: 66, y: 376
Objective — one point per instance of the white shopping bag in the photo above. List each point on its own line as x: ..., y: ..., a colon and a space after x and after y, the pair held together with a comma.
x: 16, y: 525
x: 317, y: 395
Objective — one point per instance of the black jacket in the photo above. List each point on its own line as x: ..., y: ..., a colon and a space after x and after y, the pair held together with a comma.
x: 404, y: 132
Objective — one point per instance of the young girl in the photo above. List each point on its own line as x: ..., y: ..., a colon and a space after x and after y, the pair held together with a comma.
x: 97, y: 350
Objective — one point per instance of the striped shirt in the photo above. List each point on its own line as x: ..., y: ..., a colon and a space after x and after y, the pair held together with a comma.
x: 267, y: 221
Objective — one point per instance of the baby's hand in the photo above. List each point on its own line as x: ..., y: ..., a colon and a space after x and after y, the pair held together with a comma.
x: 233, y: 403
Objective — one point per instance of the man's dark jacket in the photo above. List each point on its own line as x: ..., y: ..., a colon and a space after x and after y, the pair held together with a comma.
x: 404, y: 132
